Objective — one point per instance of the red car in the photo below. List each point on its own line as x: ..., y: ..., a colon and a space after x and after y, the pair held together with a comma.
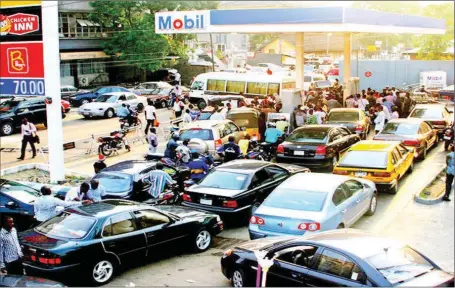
x: 65, y: 106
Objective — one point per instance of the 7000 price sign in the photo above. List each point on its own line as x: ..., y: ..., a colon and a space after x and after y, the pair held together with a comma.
x: 22, y: 87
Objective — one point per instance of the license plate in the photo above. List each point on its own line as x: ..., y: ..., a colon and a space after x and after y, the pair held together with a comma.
x: 206, y: 201
x: 299, y: 153
x: 446, y: 137
x: 87, y: 113
x: 360, y: 174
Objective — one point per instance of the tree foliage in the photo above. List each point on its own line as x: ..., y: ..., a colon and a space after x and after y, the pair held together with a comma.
x: 134, y: 40
x: 257, y: 40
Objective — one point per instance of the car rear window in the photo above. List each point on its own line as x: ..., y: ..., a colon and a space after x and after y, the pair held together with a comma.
x: 296, y: 199
x: 426, y: 113
x: 343, y: 116
x: 224, y: 180
x: 115, y: 183
x: 308, y: 135
x: 203, y: 134
x: 400, y: 129
x: 364, y: 159
x: 67, y: 225
x: 399, y: 264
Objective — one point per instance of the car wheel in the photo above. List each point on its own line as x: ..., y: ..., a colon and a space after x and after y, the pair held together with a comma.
x: 84, y: 101
x: 424, y: 153
x: 163, y: 104
x: 102, y: 272
x: 373, y: 205
x: 109, y: 113
x: 394, y: 190
x: 86, y: 117
x: 7, y: 128
x: 411, y: 168
x: 201, y: 105
x: 202, y: 240
x: 334, y: 163
x: 238, y: 278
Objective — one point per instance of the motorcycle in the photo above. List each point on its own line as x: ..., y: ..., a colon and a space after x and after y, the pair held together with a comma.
x: 116, y: 141
x: 448, y: 137
x: 170, y: 196
x: 133, y: 121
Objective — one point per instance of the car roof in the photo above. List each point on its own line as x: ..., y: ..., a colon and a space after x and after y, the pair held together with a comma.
x: 248, y: 166
x: 119, y: 93
x: 345, y: 110
x: 429, y: 106
x: 407, y: 120
x: 130, y: 166
x: 320, y: 126
x: 359, y: 243
x: 374, y: 145
x: 205, y: 124
x: 107, y: 208
x: 318, y: 182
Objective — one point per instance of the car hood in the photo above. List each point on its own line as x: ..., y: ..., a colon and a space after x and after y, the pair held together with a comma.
x: 26, y: 281
x: 431, y: 279
x: 214, y: 191
x: 182, y: 212
x: 294, y: 168
x: 96, y: 105
x: 38, y: 240
x: 295, y: 214
x: 84, y: 94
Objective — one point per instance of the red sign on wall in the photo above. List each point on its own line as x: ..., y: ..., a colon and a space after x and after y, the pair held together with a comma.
x: 19, y: 24
x: 24, y: 60
x: 368, y: 74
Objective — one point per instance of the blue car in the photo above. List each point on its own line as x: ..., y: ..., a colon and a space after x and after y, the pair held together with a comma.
x: 16, y: 200
x: 312, y: 202
x: 83, y: 98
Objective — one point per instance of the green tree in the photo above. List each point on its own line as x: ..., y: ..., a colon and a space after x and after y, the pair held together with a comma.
x: 257, y: 40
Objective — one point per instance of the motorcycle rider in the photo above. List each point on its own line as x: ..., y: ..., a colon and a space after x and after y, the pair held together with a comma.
x: 183, y: 151
x: 231, y: 150
x: 171, y: 146
x: 158, y: 180
x: 198, y: 167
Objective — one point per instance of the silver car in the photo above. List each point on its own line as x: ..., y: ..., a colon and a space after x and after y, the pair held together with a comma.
x: 148, y: 88
x: 107, y: 104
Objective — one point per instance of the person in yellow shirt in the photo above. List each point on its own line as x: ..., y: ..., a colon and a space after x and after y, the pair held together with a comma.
x: 244, y: 144
x: 282, y: 125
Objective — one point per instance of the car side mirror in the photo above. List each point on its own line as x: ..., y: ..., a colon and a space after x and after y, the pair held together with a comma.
x: 11, y: 205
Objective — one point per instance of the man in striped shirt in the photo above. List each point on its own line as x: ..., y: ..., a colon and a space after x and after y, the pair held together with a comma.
x: 158, y: 180
x: 10, y: 249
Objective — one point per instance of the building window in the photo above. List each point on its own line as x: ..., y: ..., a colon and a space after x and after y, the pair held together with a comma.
x: 65, y: 70
x: 91, y: 67
x: 221, y: 47
x: 77, y: 25
x: 274, y: 88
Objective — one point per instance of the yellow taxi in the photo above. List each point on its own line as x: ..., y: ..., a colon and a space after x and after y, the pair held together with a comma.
x: 383, y: 162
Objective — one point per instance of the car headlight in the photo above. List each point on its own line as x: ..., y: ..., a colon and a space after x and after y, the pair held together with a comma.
x: 218, y: 218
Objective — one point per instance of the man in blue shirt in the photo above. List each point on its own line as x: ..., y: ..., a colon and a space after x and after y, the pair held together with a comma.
x: 158, y: 180
x: 171, y: 146
x: 450, y: 159
x: 231, y: 150
x: 272, y: 134
x: 122, y: 111
x: 198, y: 167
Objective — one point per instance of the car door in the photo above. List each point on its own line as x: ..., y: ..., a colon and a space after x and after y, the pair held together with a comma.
x: 122, y: 237
x: 400, y: 163
x: 236, y: 132
x: 360, y: 198
x: 347, y: 139
x: 342, y: 213
x: 333, y: 269
x: 427, y: 133
x: 132, y: 100
x: 276, y: 175
x: 408, y: 158
x: 39, y: 112
x: 158, y: 228
x: 258, y: 187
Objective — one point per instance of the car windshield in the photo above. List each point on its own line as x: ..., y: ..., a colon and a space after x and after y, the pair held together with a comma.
x: 204, y: 116
x: 115, y: 183
x: 399, y: 264
x: 20, y: 192
x: 308, y: 135
x: 197, y: 85
x: 400, y: 129
x: 67, y: 225
x: 344, y: 116
x: 224, y: 180
x: 323, y: 84
x: 106, y: 98
x: 203, y: 134
x: 364, y: 159
x: 8, y: 105
x: 296, y: 199
x: 426, y: 113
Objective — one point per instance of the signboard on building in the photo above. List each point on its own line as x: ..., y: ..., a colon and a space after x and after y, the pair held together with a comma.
x: 182, y: 22
x: 21, y: 49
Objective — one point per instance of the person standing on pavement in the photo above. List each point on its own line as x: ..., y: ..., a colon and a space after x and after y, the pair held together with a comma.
x: 152, y: 140
x: 379, y: 121
x: 363, y: 103
x: 96, y: 192
x: 10, y: 249
x: 99, y: 165
x: 150, y: 115
x: 28, y: 132
x: 450, y: 171
x: 407, y: 104
x: 178, y: 107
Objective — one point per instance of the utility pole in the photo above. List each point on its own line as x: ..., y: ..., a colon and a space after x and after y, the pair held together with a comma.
x: 211, y: 49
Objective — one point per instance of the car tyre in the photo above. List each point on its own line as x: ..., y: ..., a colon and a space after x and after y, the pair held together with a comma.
x: 7, y: 128
x: 411, y: 168
x: 109, y: 113
x: 394, y: 190
x: 86, y: 117
x: 238, y: 278
x: 334, y: 163
x: 163, y: 104
x: 424, y: 153
x: 102, y: 271
x: 373, y: 205
x: 202, y: 240
x: 201, y: 105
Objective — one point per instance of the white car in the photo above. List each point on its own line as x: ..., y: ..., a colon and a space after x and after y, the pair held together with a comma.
x: 107, y: 104
x: 147, y: 88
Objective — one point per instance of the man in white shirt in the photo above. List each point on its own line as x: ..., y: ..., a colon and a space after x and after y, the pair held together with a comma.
x: 78, y: 193
x: 363, y: 102
x: 388, y: 115
x: 320, y: 115
x: 217, y: 115
x: 177, y: 77
x: 96, y: 192
x: 187, y: 116
x: 150, y: 116
x: 380, y: 119
x: 28, y: 131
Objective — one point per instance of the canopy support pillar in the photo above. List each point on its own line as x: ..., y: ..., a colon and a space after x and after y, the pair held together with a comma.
x: 299, y: 59
x: 347, y: 65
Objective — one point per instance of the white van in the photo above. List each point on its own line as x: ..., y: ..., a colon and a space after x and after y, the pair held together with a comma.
x: 310, y: 78
x: 249, y: 84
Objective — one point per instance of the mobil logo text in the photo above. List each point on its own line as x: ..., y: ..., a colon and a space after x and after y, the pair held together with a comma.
x: 434, y: 78
x: 17, y: 60
x: 18, y: 24
x: 183, y: 22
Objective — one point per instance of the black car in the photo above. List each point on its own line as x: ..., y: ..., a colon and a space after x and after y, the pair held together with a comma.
x: 238, y: 186
x: 93, y: 241
x: 12, y: 111
x: 337, y: 258
x: 124, y: 179
x: 86, y: 97
x: 318, y: 146
x: 9, y: 280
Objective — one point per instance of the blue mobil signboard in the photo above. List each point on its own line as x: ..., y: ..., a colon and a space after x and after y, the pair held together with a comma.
x: 182, y: 22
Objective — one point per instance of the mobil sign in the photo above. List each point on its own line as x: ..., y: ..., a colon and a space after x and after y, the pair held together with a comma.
x: 182, y: 22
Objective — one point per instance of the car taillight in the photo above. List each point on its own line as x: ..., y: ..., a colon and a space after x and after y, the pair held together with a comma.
x: 230, y: 204
x: 218, y: 143
x: 280, y: 149
x: 186, y: 197
x: 439, y: 122
x: 382, y: 174
x: 359, y: 127
x: 320, y: 150
x: 314, y: 226
x: 340, y: 172
x: 411, y: 142
x: 257, y: 220
x: 49, y: 261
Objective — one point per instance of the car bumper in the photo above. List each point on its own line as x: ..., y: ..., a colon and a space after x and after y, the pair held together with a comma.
x: 75, y: 103
x: 217, y: 210
x: 254, y: 234
x: 60, y: 269
x: 92, y: 113
x: 307, y: 162
x: 386, y: 185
